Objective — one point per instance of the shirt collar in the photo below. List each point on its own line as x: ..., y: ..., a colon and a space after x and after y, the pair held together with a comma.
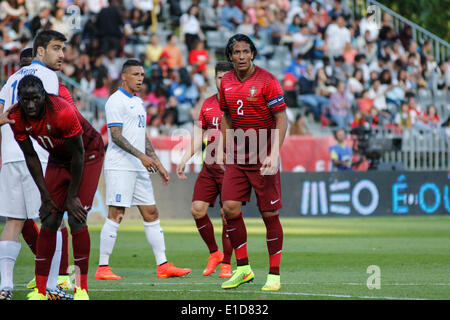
x: 125, y: 92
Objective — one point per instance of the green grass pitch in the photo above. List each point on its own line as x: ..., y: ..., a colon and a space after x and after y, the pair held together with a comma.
x: 324, y: 258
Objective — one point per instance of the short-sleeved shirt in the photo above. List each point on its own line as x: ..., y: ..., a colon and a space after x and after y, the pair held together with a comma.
x: 9, y: 96
x: 59, y: 123
x: 341, y: 152
x: 210, y: 119
x: 127, y: 111
x: 252, y: 104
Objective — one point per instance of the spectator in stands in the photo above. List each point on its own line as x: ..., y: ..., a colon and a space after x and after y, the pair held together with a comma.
x: 109, y: 28
x: 153, y: 50
x: 365, y: 104
x: 299, y: 127
x: 59, y: 23
x: 297, y: 67
x: 11, y: 10
x: 199, y: 56
x: 358, y: 120
x: 95, y: 6
x: 41, y: 21
x: 405, y: 118
x: 295, y: 25
x: 307, y: 85
x: 190, y: 31
x: 303, y: 43
x: 232, y: 16
x: 340, y: 107
x: 428, y: 120
x: 135, y: 27
x: 341, y: 154
x: 337, y: 35
x: 173, y: 51
x: 355, y: 85
x: 247, y: 27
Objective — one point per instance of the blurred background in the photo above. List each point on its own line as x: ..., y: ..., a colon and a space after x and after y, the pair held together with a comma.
x: 379, y: 74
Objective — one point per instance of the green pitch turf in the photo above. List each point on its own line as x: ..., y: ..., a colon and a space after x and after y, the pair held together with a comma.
x: 325, y: 258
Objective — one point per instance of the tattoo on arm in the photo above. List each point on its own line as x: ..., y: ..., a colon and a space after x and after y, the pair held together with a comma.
x: 149, y: 150
x: 122, y: 142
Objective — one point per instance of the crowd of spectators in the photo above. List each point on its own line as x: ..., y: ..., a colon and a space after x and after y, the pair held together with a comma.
x: 344, y: 70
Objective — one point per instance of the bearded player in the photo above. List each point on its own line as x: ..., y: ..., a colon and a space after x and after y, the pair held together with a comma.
x: 19, y: 195
x: 76, y: 154
x: 209, y: 181
x: 253, y: 106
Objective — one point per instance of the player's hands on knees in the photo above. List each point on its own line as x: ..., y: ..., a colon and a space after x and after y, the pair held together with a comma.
x: 76, y: 209
x: 47, y: 208
x: 269, y: 166
x: 180, y: 171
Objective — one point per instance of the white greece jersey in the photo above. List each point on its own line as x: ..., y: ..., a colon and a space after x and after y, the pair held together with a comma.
x: 125, y: 110
x: 11, y: 151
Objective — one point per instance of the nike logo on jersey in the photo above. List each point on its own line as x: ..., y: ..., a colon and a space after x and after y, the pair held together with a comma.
x: 228, y: 89
x: 273, y: 202
x: 28, y: 129
x: 207, y: 109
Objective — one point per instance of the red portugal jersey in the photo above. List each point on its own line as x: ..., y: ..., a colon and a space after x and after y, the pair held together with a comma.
x: 60, y: 122
x: 252, y: 104
x: 210, y: 119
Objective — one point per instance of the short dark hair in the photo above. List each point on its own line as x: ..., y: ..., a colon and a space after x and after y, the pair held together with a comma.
x: 44, y: 37
x: 131, y: 63
x: 238, y: 38
x: 30, y: 81
x: 26, y: 53
x: 223, y: 66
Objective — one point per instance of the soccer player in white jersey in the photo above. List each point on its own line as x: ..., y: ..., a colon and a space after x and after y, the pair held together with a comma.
x: 19, y: 196
x: 129, y: 159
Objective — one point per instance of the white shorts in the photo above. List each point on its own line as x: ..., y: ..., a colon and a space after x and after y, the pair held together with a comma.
x: 19, y: 196
x: 128, y: 188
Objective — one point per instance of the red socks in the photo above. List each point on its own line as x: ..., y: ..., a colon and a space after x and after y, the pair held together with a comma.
x: 30, y: 233
x: 46, y: 244
x: 237, y: 234
x: 206, y: 230
x: 274, y: 238
x: 81, y: 244
x: 226, y: 245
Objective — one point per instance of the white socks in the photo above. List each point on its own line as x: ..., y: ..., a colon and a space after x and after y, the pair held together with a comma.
x: 52, y: 281
x: 9, y: 251
x: 108, y: 237
x: 153, y: 232
x: 155, y: 237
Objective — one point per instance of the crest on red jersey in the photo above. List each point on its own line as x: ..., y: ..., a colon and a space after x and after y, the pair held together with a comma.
x: 252, y: 93
x: 49, y: 128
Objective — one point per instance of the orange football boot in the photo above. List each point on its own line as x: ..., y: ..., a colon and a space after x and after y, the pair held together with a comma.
x: 213, y: 261
x: 168, y: 270
x: 105, y: 273
x: 225, y: 270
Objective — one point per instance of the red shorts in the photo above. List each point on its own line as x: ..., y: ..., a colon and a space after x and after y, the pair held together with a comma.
x: 208, y: 184
x: 237, y: 186
x: 58, y: 179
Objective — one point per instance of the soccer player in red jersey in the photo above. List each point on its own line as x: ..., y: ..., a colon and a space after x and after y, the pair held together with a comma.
x: 76, y: 154
x: 209, y: 181
x: 254, y: 125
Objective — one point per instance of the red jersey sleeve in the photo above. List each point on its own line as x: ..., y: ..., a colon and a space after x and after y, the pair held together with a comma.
x: 273, y: 93
x: 69, y: 124
x: 201, y: 119
x: 222, y: 101
x: 65, y: 94
x: 18, y: 127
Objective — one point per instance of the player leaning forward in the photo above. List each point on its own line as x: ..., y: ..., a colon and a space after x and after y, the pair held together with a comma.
x: 76, y: 154
x: 129, y: 158
x: 253, y: 105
